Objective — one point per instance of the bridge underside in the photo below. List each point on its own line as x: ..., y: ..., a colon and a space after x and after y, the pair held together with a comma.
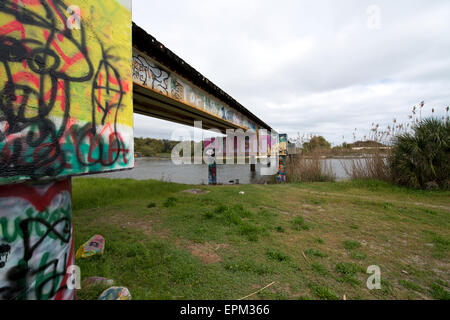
x: 150, y: 103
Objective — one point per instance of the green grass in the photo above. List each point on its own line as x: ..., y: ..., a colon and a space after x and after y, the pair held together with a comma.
x: 151, y: 205
x: 347, y: 272
x: 299, y: 224
x: 323, y: 292
x: 170, y: 202
x: 411, y: 285
x: 351, y: 244
x: 162, y: 243
x: 438, y: 292
x: 246, y: 265
x: 358, y: 255
x: 319, y: 269
x: 277, y: 255
x: 315, y: 253
x: 348, y: 268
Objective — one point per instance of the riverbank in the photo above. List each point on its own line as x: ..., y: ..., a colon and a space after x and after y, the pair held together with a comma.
x: 314, y: 240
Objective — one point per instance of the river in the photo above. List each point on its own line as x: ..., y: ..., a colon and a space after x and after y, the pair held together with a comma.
x: 165, y: 170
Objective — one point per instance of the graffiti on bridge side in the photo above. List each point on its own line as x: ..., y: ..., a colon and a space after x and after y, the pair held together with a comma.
x: 65, y: 95
x: 152, y: 75
x: 36, y: 232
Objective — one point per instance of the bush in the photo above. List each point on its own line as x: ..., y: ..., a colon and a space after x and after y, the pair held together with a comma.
x: 421, y: 158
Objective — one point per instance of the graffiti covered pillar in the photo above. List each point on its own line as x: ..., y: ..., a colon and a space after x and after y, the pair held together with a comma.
x: 65, y: 109
x: 210, y: 152
x: 36, y: 240
x: 281, y: 176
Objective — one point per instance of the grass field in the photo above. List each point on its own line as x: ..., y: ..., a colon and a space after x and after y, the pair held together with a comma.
x: 314, y: 240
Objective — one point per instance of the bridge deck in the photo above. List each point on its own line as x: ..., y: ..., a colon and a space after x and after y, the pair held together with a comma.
x: 168, y: 88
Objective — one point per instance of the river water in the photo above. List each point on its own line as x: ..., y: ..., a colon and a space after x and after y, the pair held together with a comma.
x: 165, y: 170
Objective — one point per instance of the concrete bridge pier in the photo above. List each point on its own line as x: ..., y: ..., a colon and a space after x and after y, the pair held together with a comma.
x: 36, y: 240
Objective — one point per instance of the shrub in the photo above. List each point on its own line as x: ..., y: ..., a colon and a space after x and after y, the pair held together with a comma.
x: 420, y: 158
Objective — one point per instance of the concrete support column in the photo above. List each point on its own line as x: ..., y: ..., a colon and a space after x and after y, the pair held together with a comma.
x: 36, y: 240
x: 252, y: 163
x: 283, y: 152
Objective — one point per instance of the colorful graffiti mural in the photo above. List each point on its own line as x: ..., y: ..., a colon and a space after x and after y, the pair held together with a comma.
x: 36, y: 241
x: 152, y: 75
x: 282, y: 145
x: 65, y: 88
x: 282, y: 152
x: 281, y: 176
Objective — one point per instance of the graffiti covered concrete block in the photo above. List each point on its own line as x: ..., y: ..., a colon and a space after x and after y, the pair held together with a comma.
x: 36, y: 241
x: 65, y: 88
x: 94, y: 246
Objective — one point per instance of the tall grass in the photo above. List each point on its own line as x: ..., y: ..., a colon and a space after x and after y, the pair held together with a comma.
x: 380, y: 164
x: 373, y: 166
x: 310, y: 169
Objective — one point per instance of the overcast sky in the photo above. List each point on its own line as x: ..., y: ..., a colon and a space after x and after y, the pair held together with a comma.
x: 321, y: 67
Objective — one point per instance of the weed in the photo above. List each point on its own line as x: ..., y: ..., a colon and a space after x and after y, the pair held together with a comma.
x: 411, y: 285
x: 348, y: 268
x: 319, y: 269
x: 351, y: 244
x: 439, y: 293
x: 151, y: 205
x: 358, y: 255
x: 315, y: 253
x: 246, y: 265
x: 250, y: 231
x: 208, y: 215
x: 323, y: 292
x: 170, y: 202
x: 277, y: 255
x: 299, y: 224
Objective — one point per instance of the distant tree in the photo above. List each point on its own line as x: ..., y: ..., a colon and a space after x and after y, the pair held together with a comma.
x: 366, y: 144
x: 316, y: 143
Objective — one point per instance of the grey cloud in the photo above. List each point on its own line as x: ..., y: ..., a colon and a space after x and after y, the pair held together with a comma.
x: 310, y: 66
